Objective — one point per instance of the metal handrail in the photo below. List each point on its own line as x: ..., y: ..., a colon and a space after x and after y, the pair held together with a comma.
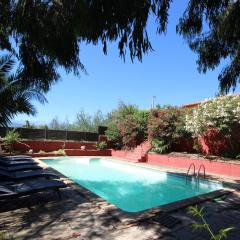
x: 204, y: 171
x: 189, y: 168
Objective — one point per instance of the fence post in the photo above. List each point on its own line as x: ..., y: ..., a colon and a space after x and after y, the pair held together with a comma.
x: 45, y: 132
x: 66, y: 136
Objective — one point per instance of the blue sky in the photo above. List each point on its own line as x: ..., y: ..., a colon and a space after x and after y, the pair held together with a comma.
x: 169, y: 73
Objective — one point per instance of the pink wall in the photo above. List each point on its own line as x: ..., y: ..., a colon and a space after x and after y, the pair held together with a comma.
x: 216, y: 167
x: 119, y: 153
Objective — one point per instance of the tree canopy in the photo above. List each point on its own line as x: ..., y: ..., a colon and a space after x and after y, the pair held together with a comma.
x: 45, y: 34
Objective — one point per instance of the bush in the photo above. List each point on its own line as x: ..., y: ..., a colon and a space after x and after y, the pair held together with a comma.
x: 127, y: 126
x: 12, y: 136
x: 159, y: 146
x: 221, y: 113
x: 101, y: 145
x: 216, y: 123
x: 166, y: 127
x: 114, y: 136
x: 129, y: 130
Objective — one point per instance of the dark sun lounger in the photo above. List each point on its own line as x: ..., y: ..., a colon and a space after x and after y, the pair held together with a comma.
x: 20, y: 175
x: 16, y: 157
x: 24, y: 189
x: 15, y: 163
x: 22, y: 167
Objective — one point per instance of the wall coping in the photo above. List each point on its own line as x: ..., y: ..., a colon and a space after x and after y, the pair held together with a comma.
x: 237, y: 162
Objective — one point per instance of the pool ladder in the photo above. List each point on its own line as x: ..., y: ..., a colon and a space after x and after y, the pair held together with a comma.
x: 194, y: 170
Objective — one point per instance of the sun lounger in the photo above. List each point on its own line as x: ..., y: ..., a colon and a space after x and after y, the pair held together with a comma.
x: 15, y: 163
x: 16, y: 158
x: 28, y: 188
x: 22, y: 167
x: 21, y: 175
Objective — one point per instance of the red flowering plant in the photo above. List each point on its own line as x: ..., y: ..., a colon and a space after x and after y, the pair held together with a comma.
x: 133, y: 129
x: 166, y: 128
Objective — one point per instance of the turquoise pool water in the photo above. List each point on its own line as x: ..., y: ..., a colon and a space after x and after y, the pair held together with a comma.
x: 130, y: 188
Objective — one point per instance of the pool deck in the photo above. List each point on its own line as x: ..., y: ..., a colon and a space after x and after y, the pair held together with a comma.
x: 80, y: 215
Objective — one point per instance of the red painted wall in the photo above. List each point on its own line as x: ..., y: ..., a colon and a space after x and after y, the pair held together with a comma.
x: 119, y: 153
x: 49, y: 146
x: 73, y: 152
x: 216, y: 167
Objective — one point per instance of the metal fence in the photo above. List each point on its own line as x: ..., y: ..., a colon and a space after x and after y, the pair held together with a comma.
x: 28, y: 133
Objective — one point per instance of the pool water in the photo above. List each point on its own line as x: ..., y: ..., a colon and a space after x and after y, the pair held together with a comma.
x: 129, y: 187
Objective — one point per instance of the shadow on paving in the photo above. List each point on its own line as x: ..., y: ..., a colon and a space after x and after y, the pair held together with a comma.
x: 76, y: 216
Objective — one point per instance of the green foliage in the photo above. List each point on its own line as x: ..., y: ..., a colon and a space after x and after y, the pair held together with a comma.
x: 84, y: 122
x: 101, y: 145
x: 221, y: 113
x: 222, y: 116
x: 15, y: 96
x: 159, y: 146
x: 12, y: 136
x: 113, y: 135
x: 40, y: 49
x: 127, y: 125
x: 199, y: 212
x: 219, y: 40
x: 28, y: 125
x: 165, y: 127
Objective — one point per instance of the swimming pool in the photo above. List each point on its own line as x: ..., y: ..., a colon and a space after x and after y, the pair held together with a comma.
x: 129, y: 187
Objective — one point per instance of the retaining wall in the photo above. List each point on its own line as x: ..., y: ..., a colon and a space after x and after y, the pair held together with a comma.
x: 231, y: 169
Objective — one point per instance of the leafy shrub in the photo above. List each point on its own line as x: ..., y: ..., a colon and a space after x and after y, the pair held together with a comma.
x: 129, y: 130
x: 127, y: 126
x: 166, y: 127
x: 221, y: 113
x: 159, y: 146
x: 217, y: 121
x: 101, y: 145
x: 12, y: 136
x: 114, y: 136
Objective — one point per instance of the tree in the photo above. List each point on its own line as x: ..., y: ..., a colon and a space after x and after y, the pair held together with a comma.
x: 48, y: 34
x: 55, y: 124
x: 15, y: 97
x: 28, y: 125
x: 217, y: 40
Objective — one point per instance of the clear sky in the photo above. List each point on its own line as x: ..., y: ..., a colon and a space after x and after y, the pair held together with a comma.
x: 169, y: 73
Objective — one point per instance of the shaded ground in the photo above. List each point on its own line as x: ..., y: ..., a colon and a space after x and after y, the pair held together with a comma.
x: 77, y: 217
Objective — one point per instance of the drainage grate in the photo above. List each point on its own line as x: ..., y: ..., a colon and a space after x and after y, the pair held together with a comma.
x: 165, y: 219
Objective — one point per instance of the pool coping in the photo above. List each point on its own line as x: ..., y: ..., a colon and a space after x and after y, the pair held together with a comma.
x: 128, y: 217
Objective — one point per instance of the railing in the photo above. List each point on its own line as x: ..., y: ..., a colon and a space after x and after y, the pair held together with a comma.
x: 204, y: 172
x: 194, y: 169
